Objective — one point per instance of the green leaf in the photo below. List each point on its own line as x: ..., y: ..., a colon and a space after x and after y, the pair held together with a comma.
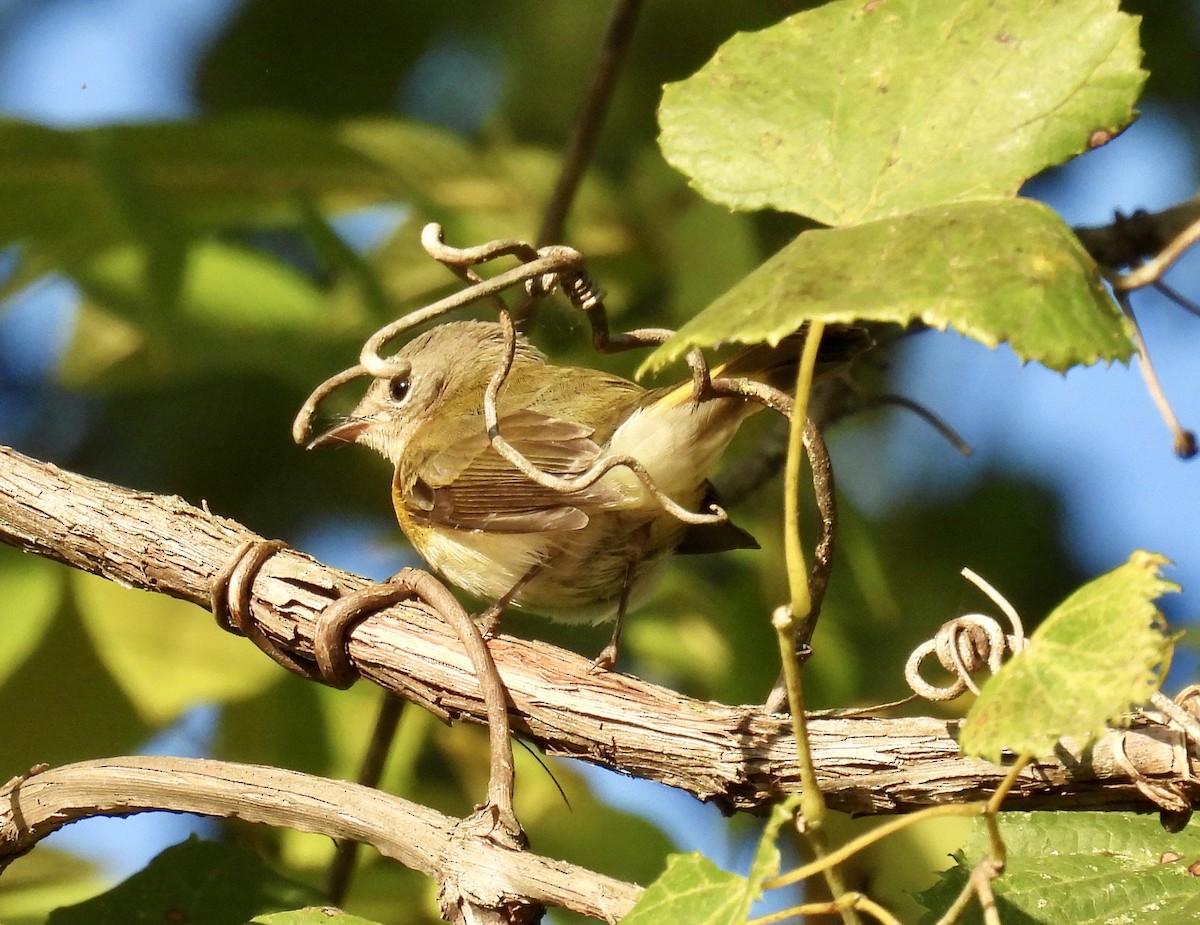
x: 1101, y: 652
x: 856, y: 111
x: 223, y: 284
x: 198, y: 882
x: 692, y: 889
x: 32, y: 593
x: 70, y: 191
x: 1082, y: 867
x: 483, y: 192
x: 90, y: 715
x: 1040, y: 292
x: 167, y: 654
x: 311, y: 915
x: 43, y: 880
x: 236, y: 310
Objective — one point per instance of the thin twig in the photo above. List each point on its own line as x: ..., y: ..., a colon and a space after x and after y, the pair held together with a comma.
x: 948, y: 433
x: 1188, y: 305
x: 551, y: 260
x: 856, y: 900
x: 983, y: 875
x: 345, y: 855
x: 495, y: 696
x: 978, y: 884
x: 1154, y: 268
x: 330, y: 648
x: 590, y: 116
x: 1184, y: 439
x: 1177, y: 714
x: 811, y: 819
x: 823, y: 549
x: 849, y: 849
x: 787, y: 621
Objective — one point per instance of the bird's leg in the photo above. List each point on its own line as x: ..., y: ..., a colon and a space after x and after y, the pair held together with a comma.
x: 637, y: 546
x: 608, y: 655
x: 488, y: 619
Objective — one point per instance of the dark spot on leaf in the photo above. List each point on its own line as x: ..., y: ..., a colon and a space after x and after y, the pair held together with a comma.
x: 1005, y: 38
x: 1168, y: 857
x: 1100, y: 136
x: 882, y: 89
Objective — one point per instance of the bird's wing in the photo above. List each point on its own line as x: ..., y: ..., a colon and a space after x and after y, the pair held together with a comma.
x: 468, y: 485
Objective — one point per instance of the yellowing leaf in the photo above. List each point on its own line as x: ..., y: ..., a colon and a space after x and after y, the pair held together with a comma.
x: 941, y: 266
x: 856, y: 111
x: 1101, y: 652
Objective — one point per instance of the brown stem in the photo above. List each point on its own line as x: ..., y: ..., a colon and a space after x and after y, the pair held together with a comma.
x: 345, y: 855
x: 1133, y: 239
x: 471, y: 868
x: 737, y: 756
x: 588, y: 119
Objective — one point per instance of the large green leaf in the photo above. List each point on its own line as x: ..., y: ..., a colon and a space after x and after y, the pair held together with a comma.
x: 1084, y: 868
x: 481, y: 192
x: 999, y: 271
x: 198, y: 882
x: 856, y: 111
x: 1101, y: 651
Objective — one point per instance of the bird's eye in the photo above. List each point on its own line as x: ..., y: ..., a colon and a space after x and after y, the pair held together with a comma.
x: 399, y: 389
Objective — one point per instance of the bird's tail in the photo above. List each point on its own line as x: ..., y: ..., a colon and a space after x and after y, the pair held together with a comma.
x: 776, y: 364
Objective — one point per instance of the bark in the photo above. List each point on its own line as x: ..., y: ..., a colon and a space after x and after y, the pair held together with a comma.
x: 737, y: 756
x: 457, y: 853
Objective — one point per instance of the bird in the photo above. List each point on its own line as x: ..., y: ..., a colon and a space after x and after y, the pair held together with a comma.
x: 582, y: 556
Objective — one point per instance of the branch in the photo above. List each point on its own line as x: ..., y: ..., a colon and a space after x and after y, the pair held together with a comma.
x: 469, y: 867
x: 736, y: 756
x: 586, y: 124
x: 1149, y: 241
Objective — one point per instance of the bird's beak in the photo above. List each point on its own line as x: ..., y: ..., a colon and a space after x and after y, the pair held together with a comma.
x: 346, y: 432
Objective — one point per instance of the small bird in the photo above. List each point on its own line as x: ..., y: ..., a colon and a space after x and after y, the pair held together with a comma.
x: 584, y: 556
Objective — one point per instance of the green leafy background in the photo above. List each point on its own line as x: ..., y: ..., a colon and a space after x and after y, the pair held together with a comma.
x: 213, y: 295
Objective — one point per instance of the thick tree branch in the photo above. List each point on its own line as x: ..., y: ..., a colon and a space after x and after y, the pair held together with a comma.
x: 468, y: 865
x: 736, y: 756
